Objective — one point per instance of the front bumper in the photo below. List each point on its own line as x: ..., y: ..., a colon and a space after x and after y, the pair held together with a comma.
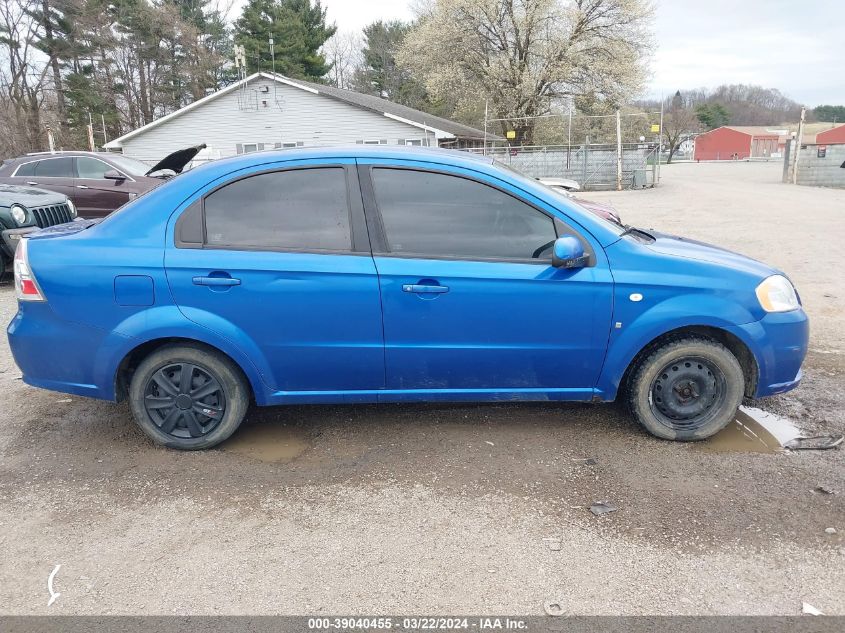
x: 779, y: 343
x: 11, y: 237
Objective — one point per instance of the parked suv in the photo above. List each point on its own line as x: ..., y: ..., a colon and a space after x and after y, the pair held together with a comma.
x: 24, y: 210
x: 97, y: 182
x: 390, y: 274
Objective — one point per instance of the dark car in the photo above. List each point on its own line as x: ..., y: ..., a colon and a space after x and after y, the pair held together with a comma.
x: 97, y: 182
x: 27, y: 209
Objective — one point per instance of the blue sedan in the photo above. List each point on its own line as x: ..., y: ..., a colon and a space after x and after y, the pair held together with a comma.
x: 371, y: 274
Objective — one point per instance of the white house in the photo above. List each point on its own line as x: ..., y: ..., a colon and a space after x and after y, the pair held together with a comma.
x: 267, y: 111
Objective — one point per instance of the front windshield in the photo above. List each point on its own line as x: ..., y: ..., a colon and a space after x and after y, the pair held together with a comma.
x: 560, y: 195
x: 131, y: 166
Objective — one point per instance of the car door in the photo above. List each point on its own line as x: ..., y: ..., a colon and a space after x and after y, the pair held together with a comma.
x: 280, y: 264
x: 53, y: 174
x: 94, y: 195
x: 470, y: 298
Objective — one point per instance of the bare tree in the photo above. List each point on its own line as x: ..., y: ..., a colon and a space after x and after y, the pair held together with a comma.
x: 679, y: 121
x: 524, y: 54
x: 343, y: 52
x: 22, y: 78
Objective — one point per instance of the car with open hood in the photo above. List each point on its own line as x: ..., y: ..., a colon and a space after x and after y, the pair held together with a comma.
x: 391, y: 274
x: 27, y: 209
x: 96, y: 182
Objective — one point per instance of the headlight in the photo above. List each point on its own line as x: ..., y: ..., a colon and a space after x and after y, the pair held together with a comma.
x: 776, y: 294
x: 71, y: 207
x: 19, y: 214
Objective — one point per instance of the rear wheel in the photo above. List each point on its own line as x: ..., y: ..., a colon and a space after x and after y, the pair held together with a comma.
x: 187, y: 397
x: 687, y: 389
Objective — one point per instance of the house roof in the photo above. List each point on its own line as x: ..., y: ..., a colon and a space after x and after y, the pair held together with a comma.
x: 759, y: 130
x: 442, y: 128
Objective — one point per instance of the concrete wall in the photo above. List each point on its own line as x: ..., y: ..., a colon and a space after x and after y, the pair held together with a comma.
x: 814, y: 170
x: 592, y: 166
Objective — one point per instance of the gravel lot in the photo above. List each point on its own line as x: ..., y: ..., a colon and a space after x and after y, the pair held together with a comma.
x: 450, y: 509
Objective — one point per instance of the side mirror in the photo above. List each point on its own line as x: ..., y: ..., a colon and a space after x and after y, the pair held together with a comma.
x: 568, y: 253
x: 113, y: 174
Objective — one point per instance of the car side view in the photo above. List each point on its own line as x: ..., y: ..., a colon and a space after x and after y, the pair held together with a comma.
x: 376, y: 274
x: 96, y: 182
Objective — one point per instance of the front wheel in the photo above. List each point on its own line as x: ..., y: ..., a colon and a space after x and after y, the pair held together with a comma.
x: 188, y: 397
x: 687, y: 389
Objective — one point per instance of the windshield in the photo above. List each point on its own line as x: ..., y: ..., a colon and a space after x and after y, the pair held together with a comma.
x: 618, y: 229
x: 130, y: 166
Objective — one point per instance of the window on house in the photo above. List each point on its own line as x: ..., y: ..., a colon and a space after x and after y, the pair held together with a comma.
x: 250, y: 147
x: 373, y: 141
x: 291, y: 209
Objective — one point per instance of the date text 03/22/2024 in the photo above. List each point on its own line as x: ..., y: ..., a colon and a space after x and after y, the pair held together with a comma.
x: 417, y: 624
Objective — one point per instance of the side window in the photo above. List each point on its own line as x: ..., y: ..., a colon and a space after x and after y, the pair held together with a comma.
x: 91, y: 168
x: 435, y: 214
x: 296, y: 209
x: 55, y: 168
x: 27, y: 169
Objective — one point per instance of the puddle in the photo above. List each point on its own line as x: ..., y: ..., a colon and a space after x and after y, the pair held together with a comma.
x: 268, y: 442
x: 752, y: 431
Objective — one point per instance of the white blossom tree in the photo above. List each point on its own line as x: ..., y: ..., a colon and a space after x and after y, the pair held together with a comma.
x: 522, y: 55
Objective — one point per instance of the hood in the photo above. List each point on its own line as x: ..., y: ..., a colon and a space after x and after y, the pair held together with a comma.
x: 677, y: 246
x: 176, y: 161
x: 30, y: 197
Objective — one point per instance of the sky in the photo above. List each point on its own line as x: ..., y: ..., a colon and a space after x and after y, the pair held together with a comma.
x: 796, y: 46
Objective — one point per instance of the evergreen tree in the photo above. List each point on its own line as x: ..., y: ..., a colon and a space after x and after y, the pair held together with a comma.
x: 298, y: 29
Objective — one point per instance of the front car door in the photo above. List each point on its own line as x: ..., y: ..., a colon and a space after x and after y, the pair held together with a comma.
x: 279, y: 262
x: 472, y: 304
x: 94, y: 195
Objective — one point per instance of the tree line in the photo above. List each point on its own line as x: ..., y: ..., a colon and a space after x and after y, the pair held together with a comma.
x: 119, y: 64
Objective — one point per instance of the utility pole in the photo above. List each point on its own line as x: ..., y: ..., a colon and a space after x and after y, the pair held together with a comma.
x: 660, y: 138
x: 486, y: 106
x: 90, y: 129
x: 50, y: 143
x: 105, y: 136
x: 618, y: 151
x: 569, y: 137
x: 798, y: 138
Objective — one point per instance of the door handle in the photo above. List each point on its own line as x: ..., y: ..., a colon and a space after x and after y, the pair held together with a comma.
x: 31, y: 182
x: 422, y: 289
x: 81, y: 186
x: 216, y: 281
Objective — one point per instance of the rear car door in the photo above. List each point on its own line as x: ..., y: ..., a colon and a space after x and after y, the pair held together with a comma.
x: 94, y: 195
x: 471, y: 300
x: 54, y: 174
x: 279, y: 262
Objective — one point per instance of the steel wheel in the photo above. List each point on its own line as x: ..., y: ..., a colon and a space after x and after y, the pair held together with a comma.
x: 184, y: 400
x: 686, y: 392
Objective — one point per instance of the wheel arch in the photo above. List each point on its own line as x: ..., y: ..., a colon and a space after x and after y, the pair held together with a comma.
x: 137, y: 354
x: 735, y: 345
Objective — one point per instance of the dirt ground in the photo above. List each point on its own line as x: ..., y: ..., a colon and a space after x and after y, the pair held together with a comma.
x: 450, y: 509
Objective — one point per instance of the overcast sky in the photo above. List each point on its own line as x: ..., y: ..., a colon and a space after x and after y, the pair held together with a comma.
x: 797, y: 46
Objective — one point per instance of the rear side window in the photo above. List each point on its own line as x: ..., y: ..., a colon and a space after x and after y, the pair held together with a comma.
x: 426, y: 213
x: 27, y: 169
x: 301, y: 209
x: 55, y: 168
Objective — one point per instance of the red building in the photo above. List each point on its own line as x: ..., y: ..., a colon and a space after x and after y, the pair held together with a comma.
x: 833, y: 135
x: 736, y: 142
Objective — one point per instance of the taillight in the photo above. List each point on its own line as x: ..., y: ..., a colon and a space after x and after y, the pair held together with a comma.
x: 26, y: 287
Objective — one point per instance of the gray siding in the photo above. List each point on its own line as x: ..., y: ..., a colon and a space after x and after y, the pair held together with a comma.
x: 232, y: 119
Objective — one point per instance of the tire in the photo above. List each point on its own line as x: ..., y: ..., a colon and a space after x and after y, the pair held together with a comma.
x: 188, y: 397
x: 687, y: 389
